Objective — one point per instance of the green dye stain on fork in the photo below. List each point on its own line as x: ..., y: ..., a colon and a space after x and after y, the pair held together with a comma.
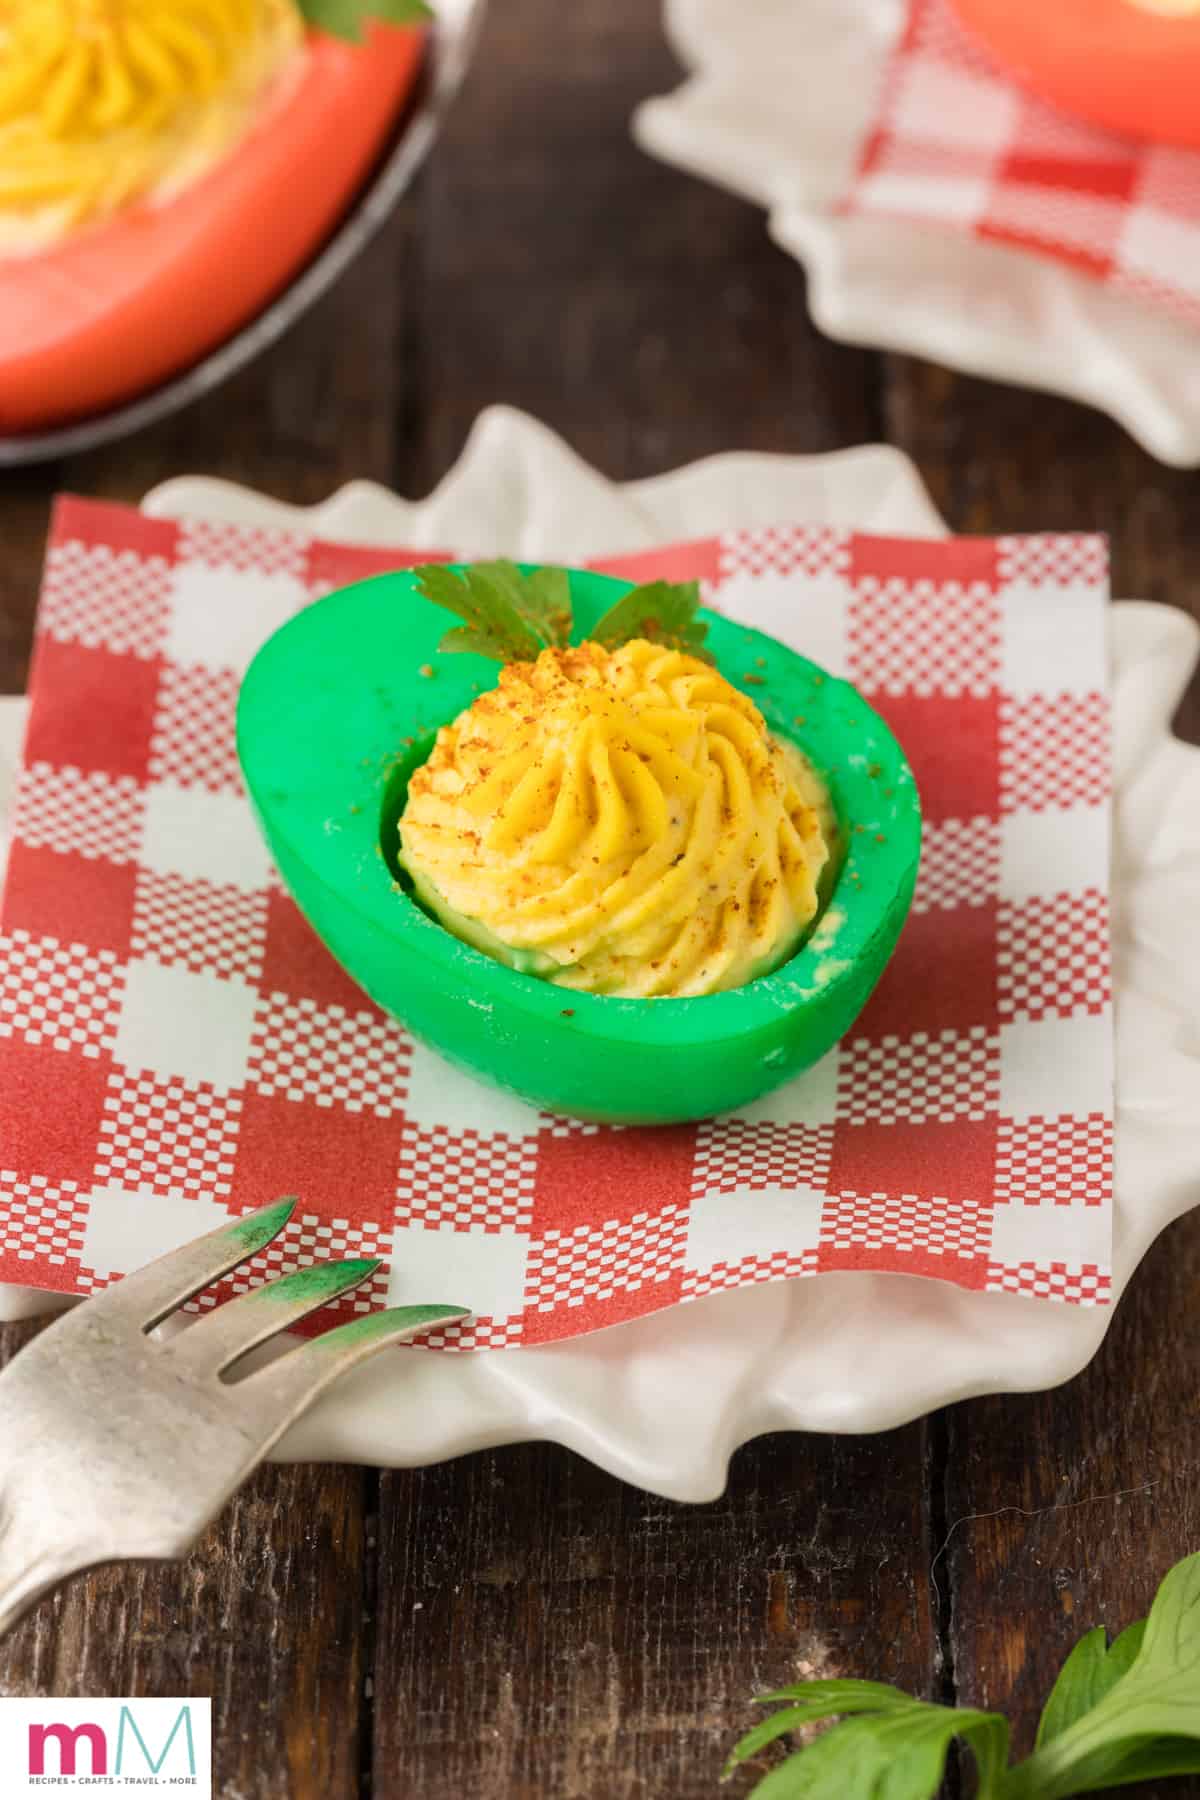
x: 323, y: 1281
x: 258, y: 1228
x: 396, y: 1318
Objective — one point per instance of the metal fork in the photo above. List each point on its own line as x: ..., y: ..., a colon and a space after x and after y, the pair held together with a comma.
x: 116, y: 1445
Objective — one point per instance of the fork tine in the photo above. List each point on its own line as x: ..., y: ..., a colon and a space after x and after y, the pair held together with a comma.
x: 288, y: 1386
x: 147, y: 1296
x: 242, y: 1324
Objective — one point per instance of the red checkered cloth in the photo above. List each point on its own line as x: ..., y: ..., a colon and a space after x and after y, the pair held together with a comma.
x: 956, y: 144
x: 176, y: 1046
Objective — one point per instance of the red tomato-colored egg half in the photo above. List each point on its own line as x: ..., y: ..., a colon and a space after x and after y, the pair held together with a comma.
x: 1130, y: 65
x: 119, y: 306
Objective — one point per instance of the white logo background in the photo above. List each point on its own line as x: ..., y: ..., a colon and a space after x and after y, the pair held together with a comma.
x: 136, y: 1735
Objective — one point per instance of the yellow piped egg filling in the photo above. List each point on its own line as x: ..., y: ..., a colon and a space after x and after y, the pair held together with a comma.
x: 620, y: 822
x: 103, y: 102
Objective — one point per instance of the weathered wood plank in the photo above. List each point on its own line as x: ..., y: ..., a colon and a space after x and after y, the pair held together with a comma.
x: 546, y: 1631
x: 25, y: 497
x: 638, y: 311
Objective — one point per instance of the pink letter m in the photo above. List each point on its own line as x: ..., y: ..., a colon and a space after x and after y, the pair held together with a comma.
x: 67, y: 1737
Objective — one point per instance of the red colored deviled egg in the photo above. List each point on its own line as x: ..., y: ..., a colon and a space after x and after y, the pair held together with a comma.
x: 165, y: 167
x: 1130, y: 65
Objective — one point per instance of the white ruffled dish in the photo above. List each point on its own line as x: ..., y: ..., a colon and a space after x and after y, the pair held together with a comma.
x: 780, y: 95
x: 663, y: 1401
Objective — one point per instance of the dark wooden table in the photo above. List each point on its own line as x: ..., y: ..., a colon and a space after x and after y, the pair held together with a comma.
x: 518, y: 1624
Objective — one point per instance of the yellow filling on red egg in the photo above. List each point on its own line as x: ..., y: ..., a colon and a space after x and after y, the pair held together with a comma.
x: 103, y: 102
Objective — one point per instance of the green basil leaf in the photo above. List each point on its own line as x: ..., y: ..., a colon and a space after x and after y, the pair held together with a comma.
x: 1170, y: 1649
x: 989, y: 1744
x: 915, y: 1769
x: 1154, y: 1760
x: 790, y: 1718
x: 1086, y: 1677
x: 815, y: 1700
x: 899, y: 1754
x: 1114, y: 1765
x: 842, y: 1696
x: 1158, y: 1697
x: 847, y: 1759
x: 1117, y: 1714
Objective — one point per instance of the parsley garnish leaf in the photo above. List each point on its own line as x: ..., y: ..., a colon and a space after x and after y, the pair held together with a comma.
x: 1117, y: 1714
x: 502, y: 619
x: 664, y: 612
x: 546, y: 602
x: 347, y: 18
x: 512, y: 616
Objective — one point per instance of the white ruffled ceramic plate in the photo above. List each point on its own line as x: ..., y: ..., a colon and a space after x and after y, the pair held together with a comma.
x: 664, y: 1401
x: 779, y: 97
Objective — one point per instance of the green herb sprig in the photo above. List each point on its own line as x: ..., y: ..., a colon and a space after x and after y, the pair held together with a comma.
x: 662, y: 611
x: 347, y: 18
x: 512, y: 616
x: 1117, y: 1714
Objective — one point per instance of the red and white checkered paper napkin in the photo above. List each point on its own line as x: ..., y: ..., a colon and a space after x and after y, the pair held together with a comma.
x: 176, y: 1045
x: 956, y: 143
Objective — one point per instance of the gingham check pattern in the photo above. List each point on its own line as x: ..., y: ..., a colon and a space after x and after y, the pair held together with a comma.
x: 956, y: 143
x: 175, y: 1045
